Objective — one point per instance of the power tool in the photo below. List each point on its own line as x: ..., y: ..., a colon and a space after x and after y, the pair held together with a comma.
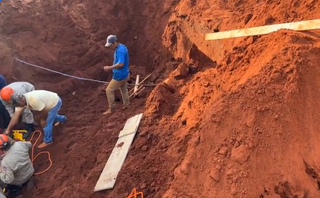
x: 17, y: 135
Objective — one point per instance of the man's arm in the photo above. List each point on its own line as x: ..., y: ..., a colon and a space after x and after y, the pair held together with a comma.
x: 6, y: 174
x: 14, y: 119
x: 121, y: 59
x: 116, y: 66
x: 120, y: 63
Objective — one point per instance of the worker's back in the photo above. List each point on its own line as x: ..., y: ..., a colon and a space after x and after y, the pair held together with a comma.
x: 48, y: 98
x: 18, y: 160
x: 21, y: 87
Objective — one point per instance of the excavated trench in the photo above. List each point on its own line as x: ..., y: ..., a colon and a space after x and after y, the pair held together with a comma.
x: 228, y: 118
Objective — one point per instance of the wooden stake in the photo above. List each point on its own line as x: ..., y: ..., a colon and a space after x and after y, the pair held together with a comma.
x: 133, y: 94
x: 140, y: 82
x: 299, y: 26
x: 143, y: 88
x: 145, y: 79
x: 138, y: 92
x: 136, y: 85
x: 150, y: 85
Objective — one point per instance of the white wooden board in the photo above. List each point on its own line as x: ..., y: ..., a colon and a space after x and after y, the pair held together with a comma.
x: 301, y: 25
x: 130, y: 126
x: 119, y: 153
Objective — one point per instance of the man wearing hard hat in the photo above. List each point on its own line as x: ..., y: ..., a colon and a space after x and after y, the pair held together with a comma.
x: 5, y: 96
x: 16, y: 167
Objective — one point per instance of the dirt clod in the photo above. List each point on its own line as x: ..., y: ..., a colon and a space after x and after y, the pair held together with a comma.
x: 223, y: 151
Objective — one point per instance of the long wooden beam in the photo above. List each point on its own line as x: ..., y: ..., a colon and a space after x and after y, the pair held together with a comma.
x: 118, y: 155
x: 299, y: 26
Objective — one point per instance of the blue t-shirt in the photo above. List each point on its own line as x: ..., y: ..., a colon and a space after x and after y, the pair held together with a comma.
x: 3, y: 82
x: 121, y: 55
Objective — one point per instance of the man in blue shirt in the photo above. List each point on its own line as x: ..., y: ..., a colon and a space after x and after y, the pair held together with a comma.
x: 120, y: 73
x: 3, y: 111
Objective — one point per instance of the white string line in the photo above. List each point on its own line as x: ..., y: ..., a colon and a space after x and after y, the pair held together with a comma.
x: 53, y: 71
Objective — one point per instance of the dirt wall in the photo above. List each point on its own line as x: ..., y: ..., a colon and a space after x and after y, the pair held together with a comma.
x: 229, y: 118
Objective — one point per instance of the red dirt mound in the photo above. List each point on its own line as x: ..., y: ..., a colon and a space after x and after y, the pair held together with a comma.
x: 230, y: 118
x: 252, y: 131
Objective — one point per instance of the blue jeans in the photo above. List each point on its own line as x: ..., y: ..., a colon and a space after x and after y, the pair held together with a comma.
x: 53, y: 116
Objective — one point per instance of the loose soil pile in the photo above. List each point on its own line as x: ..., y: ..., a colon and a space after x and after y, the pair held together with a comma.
x: 231, y: 118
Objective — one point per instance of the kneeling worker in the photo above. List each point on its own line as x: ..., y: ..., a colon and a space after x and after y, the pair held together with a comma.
x: 19, y: 88
x: 47, y: 102
x: 16, y: 167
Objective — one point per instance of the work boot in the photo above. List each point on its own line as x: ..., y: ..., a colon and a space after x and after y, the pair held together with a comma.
x: 30, y: 129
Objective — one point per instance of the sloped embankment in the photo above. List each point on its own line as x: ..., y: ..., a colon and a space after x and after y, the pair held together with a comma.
x: 251, y: 123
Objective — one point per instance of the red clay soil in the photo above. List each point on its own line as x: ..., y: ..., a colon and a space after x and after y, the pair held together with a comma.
x: 231, y: 118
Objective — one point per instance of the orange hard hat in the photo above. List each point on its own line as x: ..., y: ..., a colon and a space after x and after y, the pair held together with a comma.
x: 6, y: 93
x: 4, y: 141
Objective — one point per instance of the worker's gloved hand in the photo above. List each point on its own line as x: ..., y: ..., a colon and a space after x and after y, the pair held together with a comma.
x: 43, y: 123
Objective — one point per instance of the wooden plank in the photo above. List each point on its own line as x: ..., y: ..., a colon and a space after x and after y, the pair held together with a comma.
x: 299, y: 26
x: 131, y: 125
x: 118, y: 155
x: 110, y: 172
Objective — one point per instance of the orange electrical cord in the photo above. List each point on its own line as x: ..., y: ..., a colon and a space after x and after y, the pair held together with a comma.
x: 42, y: 152
x: 134, y: 194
